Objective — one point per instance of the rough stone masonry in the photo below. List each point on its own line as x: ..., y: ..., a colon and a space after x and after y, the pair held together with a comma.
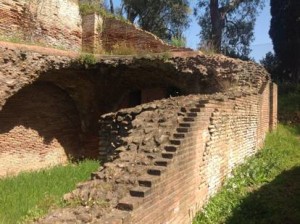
x: 176, y: 151
x: 168, y: 128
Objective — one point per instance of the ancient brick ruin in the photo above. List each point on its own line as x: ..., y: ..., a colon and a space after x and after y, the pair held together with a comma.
x: 168, y: 131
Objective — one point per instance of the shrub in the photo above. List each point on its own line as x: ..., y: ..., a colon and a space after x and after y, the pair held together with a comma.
x: 178, y: 42
x: 123, y: 49
x: 87, y: 59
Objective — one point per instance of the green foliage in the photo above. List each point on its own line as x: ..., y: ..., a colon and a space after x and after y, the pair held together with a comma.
x: 257, y: 192
x: 288, y: 104
x: 274, y: 66
x: 87, y: 59
x: 164, y: 18
x: 13, y: 39
x: 178, y: 42
x: 228, y: 25
x: 31, y: 195
x: 89, y: 8
x: 285, y: 33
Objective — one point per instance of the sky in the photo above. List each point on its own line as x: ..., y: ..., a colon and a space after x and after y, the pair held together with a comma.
x: 261, y: 45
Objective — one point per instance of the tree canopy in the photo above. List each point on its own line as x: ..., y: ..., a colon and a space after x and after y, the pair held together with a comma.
x: 274, y: 66
x: 165, y: 18
x: 285, y: 34
x: 227, y: 25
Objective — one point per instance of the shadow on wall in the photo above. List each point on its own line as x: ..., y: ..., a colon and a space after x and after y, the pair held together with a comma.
x: 40, y: 118
x: 277, y: 202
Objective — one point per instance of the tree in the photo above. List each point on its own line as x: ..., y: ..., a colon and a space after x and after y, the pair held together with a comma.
x: 165, y: 18
x: 285, y: 34
x: 111, y: 6
x: 274, y: 66
x: 227, y: 25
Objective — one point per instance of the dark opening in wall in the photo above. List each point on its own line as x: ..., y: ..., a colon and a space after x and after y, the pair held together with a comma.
x: 135, y: 98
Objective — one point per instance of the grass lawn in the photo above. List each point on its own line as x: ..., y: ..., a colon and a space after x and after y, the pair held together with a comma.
x: 31, y: 195
x: 266, y: 189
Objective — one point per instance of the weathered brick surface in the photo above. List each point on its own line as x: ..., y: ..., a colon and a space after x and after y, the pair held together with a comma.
x: 40, y: 127
x: 55, y: 23
x: 210, y: 149
x: 205, y: 137
x: 274, y: 106
x: 174, y: 152
x: 91, y: 33
x: 117, y: 32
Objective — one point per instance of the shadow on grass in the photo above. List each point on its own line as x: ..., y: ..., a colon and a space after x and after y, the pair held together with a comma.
x: 277, y: 202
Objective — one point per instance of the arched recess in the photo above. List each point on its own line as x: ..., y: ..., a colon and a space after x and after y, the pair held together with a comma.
x: 40, y: 127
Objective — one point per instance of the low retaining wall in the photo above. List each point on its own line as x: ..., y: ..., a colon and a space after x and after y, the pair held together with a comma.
x: 166, y: 158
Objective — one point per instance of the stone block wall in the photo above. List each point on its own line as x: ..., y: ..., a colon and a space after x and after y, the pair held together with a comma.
x: 54, y: 23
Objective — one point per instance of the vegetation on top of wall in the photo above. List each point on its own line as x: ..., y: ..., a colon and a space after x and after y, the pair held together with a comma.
x: 178, y: 42
x: 18, y: 40
x: 86, y: 59
x: 89, y: 8
x: 31, y: 195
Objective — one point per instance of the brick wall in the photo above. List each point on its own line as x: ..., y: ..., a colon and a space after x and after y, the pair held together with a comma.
x: 166, y: 158
x: 55, y: 23
x: 117, y: 32
x: 91, y: 33
x: 264, y: 114
x: 274, y: 106
x: 39, y: 128
x: 211, y: 139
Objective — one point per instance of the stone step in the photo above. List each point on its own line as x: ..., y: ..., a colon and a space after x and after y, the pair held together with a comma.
x: 156, y: 170
x: 184, y: 125
x: 170, y: 148
x: 195, y: 110
x: 128, y: 203
x: 148, y: 180
x: 188, y: 119
x: 140, y: 191
x: 200, y: 105
x: 182, y: 130
x: 162, y: 162
x: 175, y: 141
x: 192, y: 114
x: 167, y: 155
x: 179, y: 135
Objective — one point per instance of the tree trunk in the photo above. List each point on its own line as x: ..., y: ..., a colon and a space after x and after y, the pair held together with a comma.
x: 217, y: 21
x: 112, y: 7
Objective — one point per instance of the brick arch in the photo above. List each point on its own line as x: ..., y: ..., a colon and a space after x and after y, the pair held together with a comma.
x: 40, y: 127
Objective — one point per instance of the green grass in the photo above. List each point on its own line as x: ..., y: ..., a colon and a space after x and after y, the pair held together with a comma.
x: 264, y: 190
x: 290, y: 102
x: 31, y: 195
